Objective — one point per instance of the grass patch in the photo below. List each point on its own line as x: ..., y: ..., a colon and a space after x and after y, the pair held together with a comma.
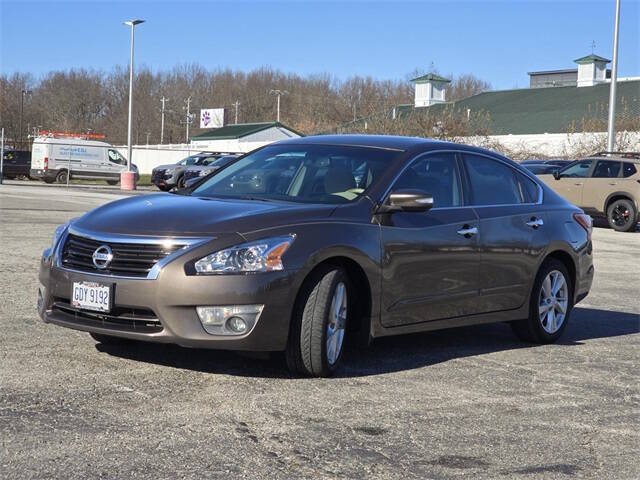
x: 143, y: 181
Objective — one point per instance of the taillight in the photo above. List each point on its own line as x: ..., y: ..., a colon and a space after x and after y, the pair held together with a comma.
x: 585, y: 222
x: 46, y: 163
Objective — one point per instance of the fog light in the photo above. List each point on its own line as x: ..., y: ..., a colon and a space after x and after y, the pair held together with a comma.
x: 237, y: 324
x: 229, y: 319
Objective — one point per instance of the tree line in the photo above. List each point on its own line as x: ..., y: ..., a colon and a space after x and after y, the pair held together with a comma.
x: 82, y: 100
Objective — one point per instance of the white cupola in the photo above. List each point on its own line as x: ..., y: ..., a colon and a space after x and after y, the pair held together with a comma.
x: 592, y: 70
x: 430, y: 89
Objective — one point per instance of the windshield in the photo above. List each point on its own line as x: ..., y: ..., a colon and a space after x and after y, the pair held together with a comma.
x: 300, y: 173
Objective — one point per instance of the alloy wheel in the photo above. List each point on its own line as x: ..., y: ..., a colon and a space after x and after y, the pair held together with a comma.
x: 337, y: 323
x: 553, y: 301
x: 620, y: 215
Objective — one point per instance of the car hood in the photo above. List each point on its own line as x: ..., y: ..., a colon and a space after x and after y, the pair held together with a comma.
x: 178, y: 215
x: 167, y: 166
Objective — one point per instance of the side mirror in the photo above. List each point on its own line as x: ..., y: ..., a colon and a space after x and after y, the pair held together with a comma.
x: 556, y: 174
x: 191, y: 182
x: 407, y: 201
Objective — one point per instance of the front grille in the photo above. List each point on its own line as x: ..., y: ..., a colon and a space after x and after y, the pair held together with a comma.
x: 129, y: 259
x: 157, y: 175
x: 126, y: 319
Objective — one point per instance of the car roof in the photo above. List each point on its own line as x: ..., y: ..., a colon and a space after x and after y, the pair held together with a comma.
x: 631, y: 157
x: 391, y: 142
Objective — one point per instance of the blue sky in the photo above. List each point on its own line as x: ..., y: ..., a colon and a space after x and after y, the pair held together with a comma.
x: 497, y: 41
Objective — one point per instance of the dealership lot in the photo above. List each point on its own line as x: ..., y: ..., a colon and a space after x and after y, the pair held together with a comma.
x: 472, y: 401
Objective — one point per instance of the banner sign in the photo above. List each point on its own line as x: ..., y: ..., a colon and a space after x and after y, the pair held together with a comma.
x: 211, y: 117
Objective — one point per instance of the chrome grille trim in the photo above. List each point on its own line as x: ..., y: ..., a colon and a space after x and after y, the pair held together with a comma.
x: 185, y: 243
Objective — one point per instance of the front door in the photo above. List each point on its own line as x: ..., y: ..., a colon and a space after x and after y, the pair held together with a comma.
x: 430, y: 259
x: 570, y: 185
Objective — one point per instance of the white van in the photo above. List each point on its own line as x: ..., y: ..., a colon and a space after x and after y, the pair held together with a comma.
x: 52, y: 159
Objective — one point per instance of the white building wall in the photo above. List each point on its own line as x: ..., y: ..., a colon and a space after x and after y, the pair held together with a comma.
x: 147, y: 157
x: 557, y: 144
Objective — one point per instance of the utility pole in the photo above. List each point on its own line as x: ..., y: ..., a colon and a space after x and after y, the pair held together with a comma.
x: 163, y: 100
x: 278, y: 94
x: 132, y: 24
x: 236, y: 105
x: 188, y: 117
x: 614, y: 78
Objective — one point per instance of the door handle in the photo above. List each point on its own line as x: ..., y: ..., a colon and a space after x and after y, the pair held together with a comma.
x: 577, y: 184
x: 535, y: 223
x: 467, y: 231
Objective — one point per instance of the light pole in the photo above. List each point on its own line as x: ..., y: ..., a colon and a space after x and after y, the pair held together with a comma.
x: 132, y: 24
x: 24, y: 92
x: 614, y: 77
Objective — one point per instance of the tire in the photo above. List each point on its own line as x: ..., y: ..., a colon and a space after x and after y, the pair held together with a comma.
x: 61, y: 177
x: 312, y: 350
x: 622, y: 215
x: 112, y: 182
x: 108, y: 339
x: 537, y: 328
x: 180, y: 182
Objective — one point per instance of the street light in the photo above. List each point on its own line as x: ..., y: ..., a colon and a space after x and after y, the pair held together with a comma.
x: 24, y: 92
x: 611, y: 135
x: 132, y: 24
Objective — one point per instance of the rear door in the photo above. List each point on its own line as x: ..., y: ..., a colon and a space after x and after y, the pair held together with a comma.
x: 511, y: 230
x: 430, y: 259
x: 605, y: 179
x: 570, y: 185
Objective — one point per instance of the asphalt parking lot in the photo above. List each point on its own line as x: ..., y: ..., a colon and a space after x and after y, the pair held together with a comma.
x: 470, y: 402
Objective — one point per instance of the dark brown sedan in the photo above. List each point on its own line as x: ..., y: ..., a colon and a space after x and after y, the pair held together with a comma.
x: 303, y: 243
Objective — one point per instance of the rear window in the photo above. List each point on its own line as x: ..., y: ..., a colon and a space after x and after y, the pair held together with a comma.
x: 628, y: 169
x: 492, y: 182
x: 528, y: 188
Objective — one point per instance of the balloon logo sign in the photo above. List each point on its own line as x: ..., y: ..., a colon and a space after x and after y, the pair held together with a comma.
x: 211, y: 117
x: 206, y: 118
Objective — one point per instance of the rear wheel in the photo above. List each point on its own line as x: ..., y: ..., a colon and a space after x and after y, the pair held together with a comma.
x: 622, y: 215
x: 550, y: 305
x: 62, y: 176
x: 319, y: 324
x: 108, y: 339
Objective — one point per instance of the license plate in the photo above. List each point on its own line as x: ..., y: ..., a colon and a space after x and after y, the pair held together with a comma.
x: 91, y: 296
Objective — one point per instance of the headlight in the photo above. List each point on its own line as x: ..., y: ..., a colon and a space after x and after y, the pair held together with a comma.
x: 60, y: 229
x: 259, y: 256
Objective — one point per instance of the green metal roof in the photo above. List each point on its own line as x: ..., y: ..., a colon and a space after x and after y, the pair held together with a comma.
x: 542, y: 110
x: 239, y: 130
x: 591, y: 58
x: 430, y: 77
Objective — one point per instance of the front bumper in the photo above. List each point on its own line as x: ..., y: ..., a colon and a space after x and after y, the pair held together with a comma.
x: 172, y: 298
x: 39, y: 173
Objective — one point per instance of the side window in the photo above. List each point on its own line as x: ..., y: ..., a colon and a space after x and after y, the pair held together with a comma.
x: 628, y: 169
x: 606, y: 169
x: 436, y: 174
x: 115, y: 157
x: 577, y: 170
x: 492, y: 182
x: 528, y: 188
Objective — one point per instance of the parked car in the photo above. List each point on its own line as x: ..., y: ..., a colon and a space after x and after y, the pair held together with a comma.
x: 604, y: 185
x: 558, y: 163
x: 16, y: 163
x: 283, y: 250
x: 206, y: 167
x: 540, y: 168
x: 53, y: 159
x: 169, y: 176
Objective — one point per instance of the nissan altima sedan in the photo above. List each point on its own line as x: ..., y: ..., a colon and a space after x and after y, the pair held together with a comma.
x: 304, y: 243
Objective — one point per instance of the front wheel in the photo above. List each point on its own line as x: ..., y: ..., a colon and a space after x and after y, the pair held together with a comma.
x: 622, y: 215
x: 319, y: 324
x: 550, y: 305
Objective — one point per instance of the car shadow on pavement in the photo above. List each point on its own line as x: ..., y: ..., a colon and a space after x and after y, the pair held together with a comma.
x: 385, y: 355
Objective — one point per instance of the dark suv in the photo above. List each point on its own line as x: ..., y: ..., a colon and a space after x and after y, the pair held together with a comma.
x: 16, y: 163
